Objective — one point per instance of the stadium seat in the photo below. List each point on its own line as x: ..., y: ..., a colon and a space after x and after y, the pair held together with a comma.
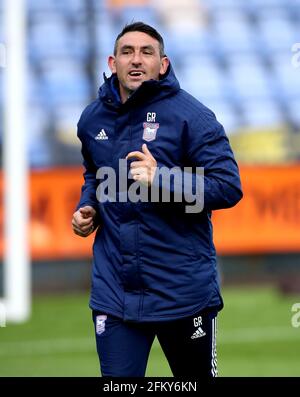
x: 61, y: 39
x: 276, y: 30
x: 217, y: 5
x: 286, y: 75
x: 74, y: 6
x: 44, y: 6
x: 2, y: 54
x: 66, y: 119
x: 1, y: 104
x: 146, y: 14
x: 197, y: 43
x: 261, y: 113
x: 293, y: 107
x: 186, y: 16
x: 1, y: 27
x: 106, y: 33
x: 225, y: 112
x: 56, y: 32
x: 293, y: 6
x: 34, y: 87
x: 249, y: 77
x: 233, y: 32
x: 270, y: 5
x: 234, y: 56
x: 38, y: 140
x: 203, y: 78
x: 65, y: 81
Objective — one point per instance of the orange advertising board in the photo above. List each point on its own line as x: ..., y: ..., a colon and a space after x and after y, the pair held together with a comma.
x: 267, y: 219
x: 54, y: 194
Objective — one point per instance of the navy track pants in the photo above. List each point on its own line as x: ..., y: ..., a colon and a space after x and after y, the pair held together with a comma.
x: 189, y: 344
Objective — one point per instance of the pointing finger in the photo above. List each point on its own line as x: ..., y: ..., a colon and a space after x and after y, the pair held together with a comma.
x: 146, y: 150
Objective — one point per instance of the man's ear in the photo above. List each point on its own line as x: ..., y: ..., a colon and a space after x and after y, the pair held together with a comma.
x: 164, y: 65
x: 112, y: 64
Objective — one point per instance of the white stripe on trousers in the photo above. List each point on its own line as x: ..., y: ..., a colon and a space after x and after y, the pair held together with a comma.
x: 214, y: 369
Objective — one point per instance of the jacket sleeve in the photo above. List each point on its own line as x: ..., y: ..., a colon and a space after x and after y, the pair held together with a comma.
x: 88, y: 190
x: 211, y: 150
x: 209, y: 173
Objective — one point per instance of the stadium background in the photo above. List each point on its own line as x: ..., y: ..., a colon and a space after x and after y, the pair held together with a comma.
x: 240, y: 59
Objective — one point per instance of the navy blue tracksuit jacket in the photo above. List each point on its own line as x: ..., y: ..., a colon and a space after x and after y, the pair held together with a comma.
x: 154, y: 261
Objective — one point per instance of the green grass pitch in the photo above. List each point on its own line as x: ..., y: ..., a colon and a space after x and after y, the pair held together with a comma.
x: 255, y: 338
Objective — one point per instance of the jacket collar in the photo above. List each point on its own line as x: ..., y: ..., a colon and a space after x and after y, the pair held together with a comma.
x: 149, y: 91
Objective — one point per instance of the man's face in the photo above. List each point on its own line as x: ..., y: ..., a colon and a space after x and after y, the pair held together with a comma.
x: 137, y: 60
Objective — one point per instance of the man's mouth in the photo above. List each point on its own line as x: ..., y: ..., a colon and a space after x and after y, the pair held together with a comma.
x: 136, y: 73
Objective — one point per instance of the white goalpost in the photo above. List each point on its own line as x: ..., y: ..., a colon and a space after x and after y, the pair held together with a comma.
x: 17, y: 285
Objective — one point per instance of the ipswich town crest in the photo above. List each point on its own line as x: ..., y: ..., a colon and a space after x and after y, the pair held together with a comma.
x: 150, y: 130
x: 100, y: 323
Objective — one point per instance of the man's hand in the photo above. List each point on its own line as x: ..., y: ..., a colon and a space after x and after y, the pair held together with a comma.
x: 83, y: 221
x: 144, y: 169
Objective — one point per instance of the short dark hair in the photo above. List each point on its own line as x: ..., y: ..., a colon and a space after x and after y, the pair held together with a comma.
x: 144, y: 28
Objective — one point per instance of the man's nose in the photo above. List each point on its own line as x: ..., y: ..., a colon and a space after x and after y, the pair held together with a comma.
x: 136, y: 60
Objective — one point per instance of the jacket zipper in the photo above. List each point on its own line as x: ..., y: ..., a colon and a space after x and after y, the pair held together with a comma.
x: 136, y: 234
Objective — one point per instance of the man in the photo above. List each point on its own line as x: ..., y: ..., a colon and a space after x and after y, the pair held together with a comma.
x: 154, y: 270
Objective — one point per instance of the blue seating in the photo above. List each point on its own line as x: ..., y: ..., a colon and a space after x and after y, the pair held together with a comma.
x: 106, y: 34
x: 293, y: 107
x: 293, y: 6
x: 226, y: 114
x: 100, y: 68
x: 44, y: 6
x: 261, y: 113
x: 65, y: 81
x: 249, y: 77
x: 234, y: 32
x: 52, y: 37
x: 38, y: 122
x: 213, y: 5
x: 66, y: 118
x: 202, y: 77
x: 146, y: 14
x: 1, y: 26
x: 1, y: 104
x: 196, y: 42
x: 66, y: 7
x: 270, y: 4
x: 238, y: 61
x: 286, y: 75
x: 276, y: 30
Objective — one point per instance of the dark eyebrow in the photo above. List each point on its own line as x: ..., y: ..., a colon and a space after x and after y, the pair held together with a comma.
x: 130, y: 47
x: 126, y: 47
x: 148, y: 47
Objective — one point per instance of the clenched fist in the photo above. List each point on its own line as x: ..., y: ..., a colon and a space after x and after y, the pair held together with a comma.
x: 83, y: 221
